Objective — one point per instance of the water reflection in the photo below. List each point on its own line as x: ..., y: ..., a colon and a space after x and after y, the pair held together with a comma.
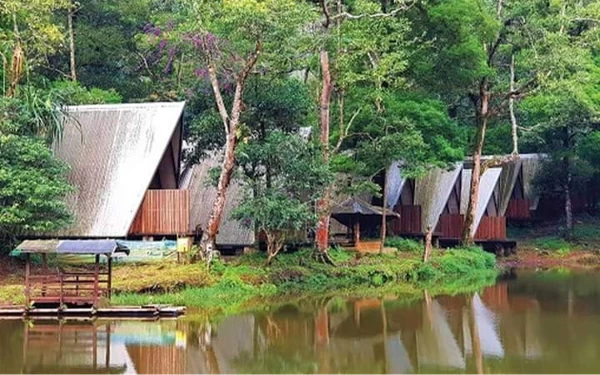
x: 532, y: 323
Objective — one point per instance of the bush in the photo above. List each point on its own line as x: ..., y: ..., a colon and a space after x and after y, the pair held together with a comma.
x: 404, y: 244
x: 552, y: 243
x: 464, y: 261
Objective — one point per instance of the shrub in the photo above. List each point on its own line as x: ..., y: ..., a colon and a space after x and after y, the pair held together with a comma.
x: 552, y: 243
x: 404, y: 244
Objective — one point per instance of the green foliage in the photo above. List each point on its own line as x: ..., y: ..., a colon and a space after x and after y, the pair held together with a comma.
x: 73, y: 93
x: 552, y: 243
x: 404, y: 244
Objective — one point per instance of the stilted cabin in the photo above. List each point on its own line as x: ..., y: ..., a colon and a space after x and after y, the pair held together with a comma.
x: 233, y: 235
x: 124, y: 164
x: 489, y: 224
x: 518, y: 198
x: 430, y: 201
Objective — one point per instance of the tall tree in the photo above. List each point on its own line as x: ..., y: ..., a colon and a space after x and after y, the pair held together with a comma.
x: 230, y: 37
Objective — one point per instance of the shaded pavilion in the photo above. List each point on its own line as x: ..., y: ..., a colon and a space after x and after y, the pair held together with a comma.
x: 355, y: 213
x: 84, y: 286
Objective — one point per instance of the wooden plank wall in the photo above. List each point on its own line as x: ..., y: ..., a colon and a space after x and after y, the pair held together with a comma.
x: 491, y: 228
x: 409, y: 221
x: 518, y: 209
x: 163, y: 212
x: 451, y: 225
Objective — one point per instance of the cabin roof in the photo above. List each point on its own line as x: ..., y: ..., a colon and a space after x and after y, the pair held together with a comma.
x: 487, y: 185
x: 107, y: 247
x: 394, y: 184
x: 432, y: 192
x: 113, y: 152
x: 357, y: 206
x: 202, y: 196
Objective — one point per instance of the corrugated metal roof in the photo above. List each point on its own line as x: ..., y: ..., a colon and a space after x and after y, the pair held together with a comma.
x: 37, y: 246
x: 487, y: 184
x: 432, y: 192
x: 90, y: 247
x: 394, y: 184
x: 506, y: 183
x: 113, y: 151
x: 357, y: 206
x: 202, y: 195
x: 531, y: 164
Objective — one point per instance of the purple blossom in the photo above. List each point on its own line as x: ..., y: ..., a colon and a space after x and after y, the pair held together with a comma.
x: 201, y: 73
x: 162, y: 44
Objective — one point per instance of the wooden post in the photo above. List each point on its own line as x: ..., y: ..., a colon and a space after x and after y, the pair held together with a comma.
x: 109, y: 281
x: 27, y: 281
x: 356, y: 231
x: 96, y: 272
x: 45, y: 271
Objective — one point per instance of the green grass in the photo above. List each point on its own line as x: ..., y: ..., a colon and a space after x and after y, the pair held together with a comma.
x: 552, y: 243
x: 404, y: 244
x: 246, y: 282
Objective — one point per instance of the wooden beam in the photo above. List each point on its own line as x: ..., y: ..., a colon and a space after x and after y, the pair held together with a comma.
x: 27, y: 286
x: 356, y: 231
x: 109, y: 286
x: 96, y: 272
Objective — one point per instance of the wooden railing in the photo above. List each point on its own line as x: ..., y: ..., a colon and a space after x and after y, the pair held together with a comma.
x: 451, y: 225
x: 518, y: 209
x: 67, y: 287
x: 163, y: 212
x: 491, y: 228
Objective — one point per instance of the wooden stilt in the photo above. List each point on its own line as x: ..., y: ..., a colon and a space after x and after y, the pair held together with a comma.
x: 96, y: 274
x: 109, y: 281
x: 27, y: 281
x: 356, y: 232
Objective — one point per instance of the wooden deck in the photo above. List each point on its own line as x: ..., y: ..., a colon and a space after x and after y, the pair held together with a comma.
x: 137, y: 312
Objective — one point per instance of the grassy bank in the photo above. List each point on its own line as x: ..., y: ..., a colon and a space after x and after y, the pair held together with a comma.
x: 245, y: 283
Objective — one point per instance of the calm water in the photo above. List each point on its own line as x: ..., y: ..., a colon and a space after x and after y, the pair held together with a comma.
x: 546, y: 322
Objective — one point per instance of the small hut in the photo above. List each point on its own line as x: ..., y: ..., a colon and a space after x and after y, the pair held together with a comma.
x: 57, y: 287
x: 355, y: 214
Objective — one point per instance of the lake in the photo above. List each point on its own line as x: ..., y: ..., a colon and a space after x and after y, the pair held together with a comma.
x: 528, y: 322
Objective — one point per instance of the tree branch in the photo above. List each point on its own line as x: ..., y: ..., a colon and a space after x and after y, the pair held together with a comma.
x: 214, y: 82
x: 325, y: 13
x: 374, y: 15
x: 344, y: 134
x: 511, y: 107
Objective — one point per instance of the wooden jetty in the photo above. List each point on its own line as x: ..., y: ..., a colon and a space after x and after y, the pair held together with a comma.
x: 114, y: 312
x: 76, y: 294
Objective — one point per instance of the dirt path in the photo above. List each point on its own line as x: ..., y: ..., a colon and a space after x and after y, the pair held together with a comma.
x: 547, y: 259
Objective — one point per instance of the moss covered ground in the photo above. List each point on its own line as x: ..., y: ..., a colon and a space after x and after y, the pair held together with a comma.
x: 246, y: 283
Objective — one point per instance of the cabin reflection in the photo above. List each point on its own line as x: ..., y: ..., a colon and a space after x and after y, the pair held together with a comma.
x: 73, y: 348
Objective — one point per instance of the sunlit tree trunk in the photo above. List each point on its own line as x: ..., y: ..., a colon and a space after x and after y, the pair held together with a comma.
x: 322, y: 237
x: 482, y: 118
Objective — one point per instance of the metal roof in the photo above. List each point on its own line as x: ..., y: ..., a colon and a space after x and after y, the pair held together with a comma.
x: 36, y: 246
x: 432, y: 192
x: 70, y: 247
x: 487, y: 184
x: 202, y: 196
x: 113, y: 152
x: 90, y: 247
x: 394, y: 184
x: 357, y: 206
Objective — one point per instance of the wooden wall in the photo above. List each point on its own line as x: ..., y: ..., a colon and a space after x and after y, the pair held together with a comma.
x: 409, y: 221
x: 491, y: 228
x: 451, y: 225
x: 163, y: 212
x: 518, y: 209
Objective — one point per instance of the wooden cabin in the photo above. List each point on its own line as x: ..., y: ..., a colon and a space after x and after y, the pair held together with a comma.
x: 489, y: 224
x: 196, y: 183
x: 518, y: 198
x: 85, y: 286
x: 124, y: 164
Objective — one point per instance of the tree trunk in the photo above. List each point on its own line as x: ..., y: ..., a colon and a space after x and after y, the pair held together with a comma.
x: 427, y: 250
x: 568, y: 203
x: 383, y: 216
x: 71, y: 44
x: 322, y: 237
x: 467, y: 237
